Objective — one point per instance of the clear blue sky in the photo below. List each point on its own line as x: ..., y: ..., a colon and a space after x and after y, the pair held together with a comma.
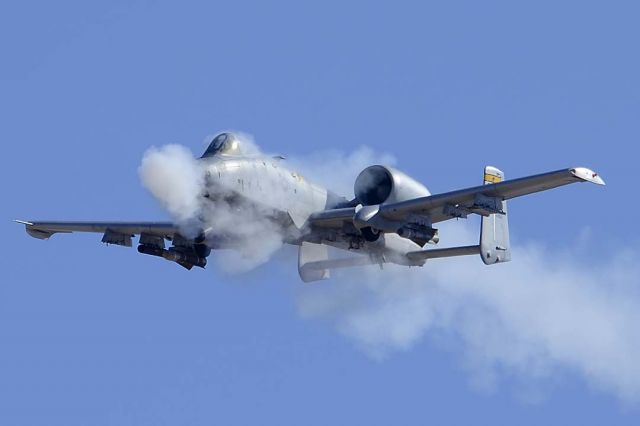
x: 101, y: 335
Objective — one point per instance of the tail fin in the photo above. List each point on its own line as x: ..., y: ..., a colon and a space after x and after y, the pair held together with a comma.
x: 494, y: 230
x: 310, y: 255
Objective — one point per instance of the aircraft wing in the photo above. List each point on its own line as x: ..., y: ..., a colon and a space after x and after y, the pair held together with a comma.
x: 455, y: 204
x: 44, y: 230
x: 187, y: 252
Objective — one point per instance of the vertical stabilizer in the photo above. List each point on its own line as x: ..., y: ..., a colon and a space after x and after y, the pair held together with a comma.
x: 494, y: 230
x: 308, y: 256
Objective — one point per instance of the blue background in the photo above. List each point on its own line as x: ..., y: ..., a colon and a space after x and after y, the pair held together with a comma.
x: 100, y: 335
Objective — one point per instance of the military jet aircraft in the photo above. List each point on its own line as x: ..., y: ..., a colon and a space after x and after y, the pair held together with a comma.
x: 390, y: 220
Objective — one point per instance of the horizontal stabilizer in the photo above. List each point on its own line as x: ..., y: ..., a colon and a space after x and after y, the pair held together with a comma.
x: 340, y: 263
x: 314, y: 263
x: 444, y: 252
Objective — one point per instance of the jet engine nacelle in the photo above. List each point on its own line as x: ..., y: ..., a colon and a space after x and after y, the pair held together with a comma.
x: 381, y: 184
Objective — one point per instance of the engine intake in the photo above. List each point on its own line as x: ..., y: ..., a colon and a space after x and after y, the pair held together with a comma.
x: 379, y: 184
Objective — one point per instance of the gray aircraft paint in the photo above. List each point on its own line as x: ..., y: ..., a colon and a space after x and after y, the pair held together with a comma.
x: 266, y: 182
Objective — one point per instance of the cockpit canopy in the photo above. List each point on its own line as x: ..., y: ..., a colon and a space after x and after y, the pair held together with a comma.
x: 224, y: 143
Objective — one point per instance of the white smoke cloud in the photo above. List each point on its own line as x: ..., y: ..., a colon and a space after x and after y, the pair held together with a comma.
x: 255, y: 237
x: 175, y: 179
x: 546, y: 311
x: 543, y: 311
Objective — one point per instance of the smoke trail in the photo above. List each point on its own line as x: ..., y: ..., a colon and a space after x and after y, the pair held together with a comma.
x: 543, y: 311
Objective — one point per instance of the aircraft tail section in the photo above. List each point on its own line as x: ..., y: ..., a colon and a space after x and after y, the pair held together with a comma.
x: 309, y: 257
x: 494, y: 229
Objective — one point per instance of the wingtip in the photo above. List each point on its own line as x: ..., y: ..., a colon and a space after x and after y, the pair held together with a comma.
x: 23, y: 222
x: 587, y: 175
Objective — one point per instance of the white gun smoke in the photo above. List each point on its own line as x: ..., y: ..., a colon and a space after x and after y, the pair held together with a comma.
x: 547, y: 312
x: 542, y: 312
x: 176, y: 179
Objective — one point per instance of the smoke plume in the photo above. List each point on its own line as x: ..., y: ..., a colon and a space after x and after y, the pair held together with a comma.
x: 176, y: 179
x: 531, y: 318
